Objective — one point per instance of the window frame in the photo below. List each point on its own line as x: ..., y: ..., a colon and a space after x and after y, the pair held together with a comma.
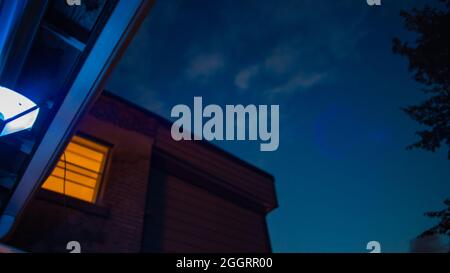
x: 103, y: 174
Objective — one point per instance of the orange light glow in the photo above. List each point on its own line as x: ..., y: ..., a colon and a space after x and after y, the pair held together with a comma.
x: 83, y: 170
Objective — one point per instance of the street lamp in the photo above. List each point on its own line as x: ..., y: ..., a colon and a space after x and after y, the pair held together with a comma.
x: 17, y: 113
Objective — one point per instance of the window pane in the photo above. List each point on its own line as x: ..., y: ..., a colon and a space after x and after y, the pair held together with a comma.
x: 80, y: 150
x: 76, y: 169
x: 83, y: 161
x: 80, y: 192
x: 54, y: 184
x: 74, y: 177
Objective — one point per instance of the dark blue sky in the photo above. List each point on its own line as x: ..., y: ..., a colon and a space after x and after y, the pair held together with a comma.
x: 343, y: 175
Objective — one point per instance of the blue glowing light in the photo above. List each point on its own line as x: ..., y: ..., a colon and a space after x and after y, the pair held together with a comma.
x: 17, y: 113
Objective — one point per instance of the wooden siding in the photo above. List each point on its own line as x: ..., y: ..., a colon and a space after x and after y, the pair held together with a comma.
x: 237, y: 177
x: 182, y: 217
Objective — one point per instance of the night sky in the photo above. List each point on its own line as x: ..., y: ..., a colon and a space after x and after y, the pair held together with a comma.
x: 343, y: 175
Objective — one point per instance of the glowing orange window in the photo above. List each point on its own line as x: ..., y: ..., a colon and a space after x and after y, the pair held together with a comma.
x: 82, y: 170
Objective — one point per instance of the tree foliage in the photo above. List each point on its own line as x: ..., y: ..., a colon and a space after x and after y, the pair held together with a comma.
x: 443, y: 228
x: 429, y: 61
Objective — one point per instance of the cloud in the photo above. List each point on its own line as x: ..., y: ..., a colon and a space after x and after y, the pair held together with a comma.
x: 203, y: 66
x: 299, y: 81
x: 304, y: 56
x: 290, y: 62
x: 281, y: 60
x: 244, y: 76
x: 149, y: 99
x: 283, y: 63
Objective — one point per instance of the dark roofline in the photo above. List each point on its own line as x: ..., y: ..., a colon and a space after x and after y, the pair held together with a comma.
x: 168, y: 123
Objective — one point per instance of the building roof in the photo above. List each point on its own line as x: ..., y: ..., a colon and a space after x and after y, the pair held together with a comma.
x: 165, y: 122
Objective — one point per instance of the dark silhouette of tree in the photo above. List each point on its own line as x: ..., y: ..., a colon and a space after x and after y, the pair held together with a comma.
x: 443, y: 228
x: 429, y: 61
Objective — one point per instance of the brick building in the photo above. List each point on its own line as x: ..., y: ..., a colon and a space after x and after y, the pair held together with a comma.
x: 123, y: 185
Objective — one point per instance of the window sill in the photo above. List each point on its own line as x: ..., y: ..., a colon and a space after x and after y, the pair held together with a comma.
x: 74, y: 203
